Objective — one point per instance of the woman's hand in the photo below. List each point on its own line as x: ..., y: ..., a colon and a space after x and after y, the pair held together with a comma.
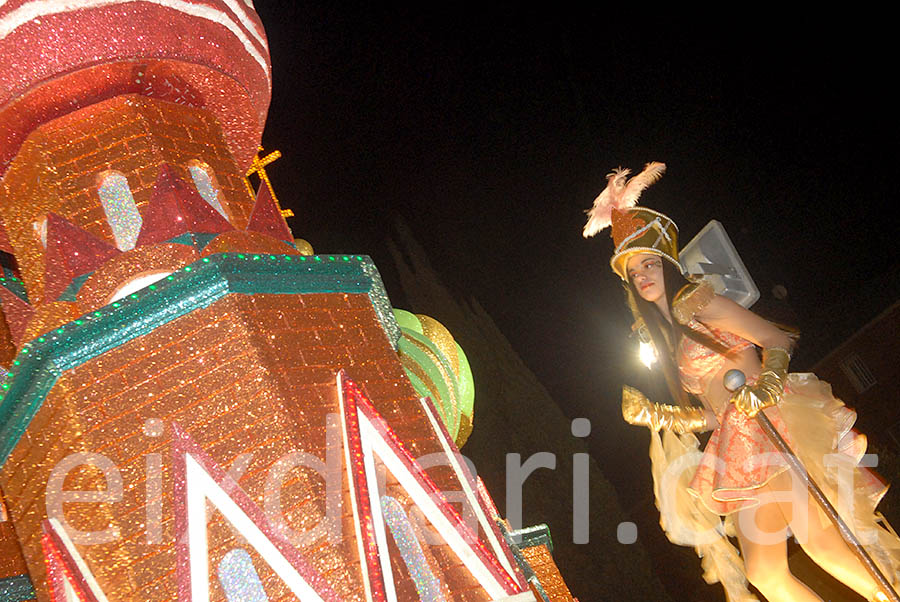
x: 769, y: 387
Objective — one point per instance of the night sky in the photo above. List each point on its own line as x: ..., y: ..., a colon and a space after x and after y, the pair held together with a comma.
x: 489, y: 131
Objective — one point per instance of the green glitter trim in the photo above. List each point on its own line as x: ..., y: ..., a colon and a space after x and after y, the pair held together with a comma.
x: 534, y: 536
x: 193, y: 239
x: 13, y: 285
x: 71, y: 292
x: 41, y: 361
x: 16, y: 589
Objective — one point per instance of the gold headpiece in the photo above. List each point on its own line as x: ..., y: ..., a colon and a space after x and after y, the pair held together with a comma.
x: 634, y: 229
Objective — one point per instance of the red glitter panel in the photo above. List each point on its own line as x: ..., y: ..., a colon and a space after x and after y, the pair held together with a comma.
x: 7, y: 346
x: 266, y: 217
x: 17, y: 314
x: 71, y: 252
x: 176, y: 208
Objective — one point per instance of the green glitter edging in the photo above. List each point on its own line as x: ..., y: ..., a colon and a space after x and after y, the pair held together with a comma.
x: 534, y: 536
x: 41, y: 361
x: 16, y: 589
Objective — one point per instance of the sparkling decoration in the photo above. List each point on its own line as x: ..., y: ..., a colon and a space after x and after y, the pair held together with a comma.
x: 477, y: 497
x: 303, y: 246
x: 170, y: 327
x: 239, y: 579
x: 18, y: 313
x: 50, y: 316
x: 4, y: 240
x: 16, y: 589
x: 361, y: 493
x: 379, y: 296
x: 13, y: 285
x: 40, y: 230
x: 204, y: 183
x: 15, y: 584
x: 188, y: 350
x: 193, y: 286
x: 427, y: 585
x: 128, y: 132
x: 547, y: 573
x: 121, y: 211
x: 68, y: 575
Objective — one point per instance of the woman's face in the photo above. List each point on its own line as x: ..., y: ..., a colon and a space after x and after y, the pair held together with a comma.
x: 645, y: 271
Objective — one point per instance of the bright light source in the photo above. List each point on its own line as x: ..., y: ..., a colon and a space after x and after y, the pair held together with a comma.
x: 647, y: 354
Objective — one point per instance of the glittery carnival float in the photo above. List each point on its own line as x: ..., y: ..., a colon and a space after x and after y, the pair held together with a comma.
x: 196, y: 406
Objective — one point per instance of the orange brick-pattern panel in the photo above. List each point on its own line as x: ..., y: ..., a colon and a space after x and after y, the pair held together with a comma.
x: 541, y: 561
x: 57, y: 169
x: 246, y: 375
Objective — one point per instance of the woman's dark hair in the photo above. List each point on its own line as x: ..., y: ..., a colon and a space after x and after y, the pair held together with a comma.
x: 665, y: 335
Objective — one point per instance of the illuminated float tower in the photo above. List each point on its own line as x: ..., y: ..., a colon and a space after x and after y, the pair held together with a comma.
x: 195, y: 408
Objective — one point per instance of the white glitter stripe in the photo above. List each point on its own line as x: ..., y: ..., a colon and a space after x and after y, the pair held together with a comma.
x: 246, y: 21
x: 43, y: 8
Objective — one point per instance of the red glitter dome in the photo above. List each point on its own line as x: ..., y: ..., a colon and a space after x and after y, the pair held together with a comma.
x: 57, y: 56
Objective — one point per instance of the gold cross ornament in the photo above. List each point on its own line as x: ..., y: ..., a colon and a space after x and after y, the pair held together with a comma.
x: 258, y: 167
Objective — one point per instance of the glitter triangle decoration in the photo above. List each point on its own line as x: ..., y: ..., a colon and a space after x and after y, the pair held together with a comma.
x: 71, y: 252
x: 176, y: 208
x: 266, y: 218
x: 17, y: 312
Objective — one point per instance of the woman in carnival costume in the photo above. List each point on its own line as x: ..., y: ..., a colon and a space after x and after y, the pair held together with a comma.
x: 739, y: 484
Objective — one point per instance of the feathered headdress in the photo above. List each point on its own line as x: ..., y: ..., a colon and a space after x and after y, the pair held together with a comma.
x: 620, y: 194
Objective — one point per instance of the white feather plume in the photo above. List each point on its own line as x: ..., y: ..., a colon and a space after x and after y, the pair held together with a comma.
x: 620, y: 193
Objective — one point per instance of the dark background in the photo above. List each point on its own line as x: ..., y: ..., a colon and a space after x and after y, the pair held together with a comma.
x: 490, y: 130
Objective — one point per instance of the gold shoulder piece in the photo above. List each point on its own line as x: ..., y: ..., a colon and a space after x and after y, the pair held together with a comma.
x: 691, y: 299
